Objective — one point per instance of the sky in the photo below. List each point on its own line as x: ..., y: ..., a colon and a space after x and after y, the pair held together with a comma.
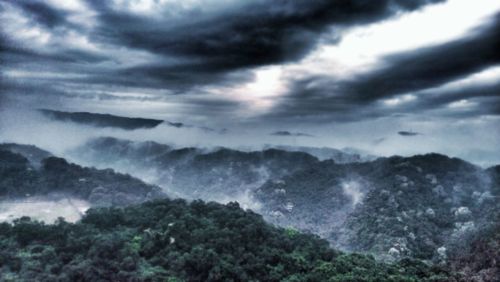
x: 388, y: 76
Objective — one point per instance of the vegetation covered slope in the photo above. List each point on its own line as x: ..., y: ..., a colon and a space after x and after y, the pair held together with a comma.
x: 478, y: 258
x: 169, y: 240
x: 396, y: 207
x: 19, y: 179
x: 194, y: 173
x: 393, y: 207
x: 34, y: 154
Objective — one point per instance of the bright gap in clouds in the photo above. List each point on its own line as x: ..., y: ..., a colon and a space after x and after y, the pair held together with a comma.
x: 399, y: 100
x: 363, y: 47
x: 464, y: 103
x: 483, y: 78
x: 259, y: 94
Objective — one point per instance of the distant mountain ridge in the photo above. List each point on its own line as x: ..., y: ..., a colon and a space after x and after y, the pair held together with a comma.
x: 101, y: 120
x: 193, y: 173
x: 325, y: 153
x: 126, y: 123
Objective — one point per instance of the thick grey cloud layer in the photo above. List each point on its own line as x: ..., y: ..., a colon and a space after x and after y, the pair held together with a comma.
x: 253, y: 34
x: 176, y: 52
x: 431, y: 66
x: 42, y: 13
x: 201, y: 48
x: 406, y: 73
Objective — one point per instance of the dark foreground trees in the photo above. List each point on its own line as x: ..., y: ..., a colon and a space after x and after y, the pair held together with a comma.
x: 171, y: 240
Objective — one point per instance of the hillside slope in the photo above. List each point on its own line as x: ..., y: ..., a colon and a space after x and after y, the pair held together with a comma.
x: 173, y: 241
x: 421, y: 206
x: 393, y: 207
x: 19, y: 180
x: 220, y: 175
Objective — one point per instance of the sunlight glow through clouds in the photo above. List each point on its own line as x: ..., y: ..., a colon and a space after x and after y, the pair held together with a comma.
x: 461, y: 104
x: 260, y: 93
x: 400, y: 100
x: 363, y: 47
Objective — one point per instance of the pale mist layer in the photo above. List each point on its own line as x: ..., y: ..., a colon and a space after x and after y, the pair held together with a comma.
x: 378, y: 137
x: 43, y: 209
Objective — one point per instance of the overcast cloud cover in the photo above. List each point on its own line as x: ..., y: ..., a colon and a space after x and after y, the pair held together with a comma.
x: 328, y: 73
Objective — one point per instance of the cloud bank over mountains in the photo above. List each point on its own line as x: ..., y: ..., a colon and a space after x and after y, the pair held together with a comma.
x: 355, y: 70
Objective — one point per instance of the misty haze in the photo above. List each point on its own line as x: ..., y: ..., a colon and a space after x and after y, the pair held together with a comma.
x: 249, y: 140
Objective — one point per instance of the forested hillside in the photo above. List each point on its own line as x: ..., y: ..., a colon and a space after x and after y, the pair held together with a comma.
x: 442, y: 210
x: 220, y: 174
x: 421, y: 206
x: 19, y: 179
x: 169, y: 240
x: 394, y: 207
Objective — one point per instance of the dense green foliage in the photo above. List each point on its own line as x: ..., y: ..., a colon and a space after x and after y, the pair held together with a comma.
x: 169, y: 240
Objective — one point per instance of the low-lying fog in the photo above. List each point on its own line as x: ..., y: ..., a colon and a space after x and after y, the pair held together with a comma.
x: 43, y: 209
x: 373, y: 137
x: 30, y: 127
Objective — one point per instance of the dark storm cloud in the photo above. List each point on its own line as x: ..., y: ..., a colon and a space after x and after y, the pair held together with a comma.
x: 254, y: 34
x: 42, y: 13
x: 192, y: 48
x: 483, y: 99
x: 429, y: 67
x: 177, y: 77
x: 18, y: 55
x: 47, y: 18
x: 359, y: 98
x: 189, y: 48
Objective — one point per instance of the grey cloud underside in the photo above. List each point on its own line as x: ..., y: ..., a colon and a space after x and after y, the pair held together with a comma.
x: 254, y: 34
x: 486, y: 96
x: 405, y: 73
x: 43, y: 13
x: 429, y: 67
x: 195, y: 48
x: 204, y: 48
